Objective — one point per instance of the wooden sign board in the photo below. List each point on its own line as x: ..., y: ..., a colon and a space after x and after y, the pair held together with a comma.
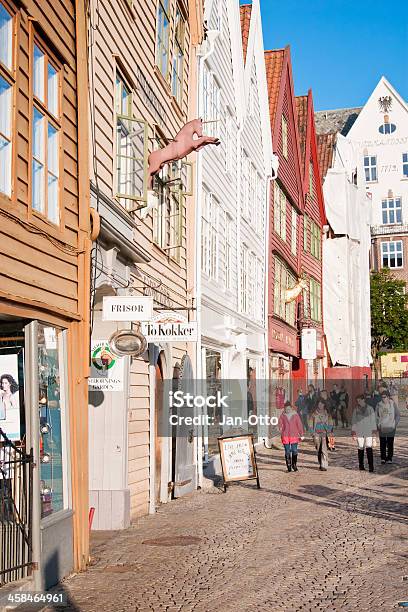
x: 238, y: 459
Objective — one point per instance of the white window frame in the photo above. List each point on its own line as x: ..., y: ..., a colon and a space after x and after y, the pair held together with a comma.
x: 228, y: 251
x: 7, y: 73
x: 211, y: 102
x: 386, y: 252
x: 390, y: 207
x: 210, y: 238
x: 244, y: 297
x: 229, y: 143
x: 293, y: 242
x: 370, y: 168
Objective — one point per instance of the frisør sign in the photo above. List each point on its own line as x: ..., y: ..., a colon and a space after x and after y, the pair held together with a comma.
x: 127, y: 308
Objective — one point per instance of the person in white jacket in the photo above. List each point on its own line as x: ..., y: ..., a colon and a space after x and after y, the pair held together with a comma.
x: 388, y: 417
x: 364, y: 430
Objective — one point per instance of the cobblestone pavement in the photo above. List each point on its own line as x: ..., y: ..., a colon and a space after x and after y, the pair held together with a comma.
x: 307, y: 541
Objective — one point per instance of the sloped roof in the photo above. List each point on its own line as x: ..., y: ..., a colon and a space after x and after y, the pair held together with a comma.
x: 325, y: 148
x: 338, y: 120
x: 301, y: 112
x: 274, y: 65
x: 245, y: 13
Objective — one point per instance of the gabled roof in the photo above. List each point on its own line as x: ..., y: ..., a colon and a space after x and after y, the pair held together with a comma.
x: 274, y: 66
x: 325, y: 149
x: 338, y: 120
x: 245, y: 11
x: 301, y: 111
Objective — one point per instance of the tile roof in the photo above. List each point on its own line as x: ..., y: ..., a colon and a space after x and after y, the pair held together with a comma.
x: 325, y: 148
x: 245, y: 13
x: 274, y: 65
x: 301, y: 111
x: 339, y: 120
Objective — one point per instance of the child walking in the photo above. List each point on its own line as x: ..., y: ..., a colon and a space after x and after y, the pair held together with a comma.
x: 291, y: 429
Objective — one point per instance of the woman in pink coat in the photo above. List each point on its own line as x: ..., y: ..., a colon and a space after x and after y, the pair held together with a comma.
x: 291, y: 428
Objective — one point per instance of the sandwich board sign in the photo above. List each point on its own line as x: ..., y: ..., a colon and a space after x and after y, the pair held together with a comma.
x: 238, y: 459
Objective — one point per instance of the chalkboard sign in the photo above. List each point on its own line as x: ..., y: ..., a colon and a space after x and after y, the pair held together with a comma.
x: 238, y: 459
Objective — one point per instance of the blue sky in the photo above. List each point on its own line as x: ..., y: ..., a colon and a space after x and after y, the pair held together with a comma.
x: 340, y: 48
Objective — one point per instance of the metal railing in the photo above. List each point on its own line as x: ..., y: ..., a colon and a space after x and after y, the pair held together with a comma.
x: 16, y: 495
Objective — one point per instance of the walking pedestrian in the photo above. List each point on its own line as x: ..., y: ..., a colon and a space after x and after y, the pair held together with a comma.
x: 310, y: 400
x: 332, y: 410
x: 335, y: 398
x: 302, y: 408
x: 388, y: 417
x: 291, y: 429
x: 343, y: 406
x: 364, y: 431
x: 321, y: 425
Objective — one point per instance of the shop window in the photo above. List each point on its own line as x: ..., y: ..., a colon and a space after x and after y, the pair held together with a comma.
x: 177, y: 80
x: 391, y: 211
x: 131, y: 148
x: 6, y: 98
x: 52, y: 419
x: 46, y: 133
x: 163, y: 36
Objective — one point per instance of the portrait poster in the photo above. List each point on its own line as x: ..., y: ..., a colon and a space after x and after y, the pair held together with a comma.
x: 10, y: 392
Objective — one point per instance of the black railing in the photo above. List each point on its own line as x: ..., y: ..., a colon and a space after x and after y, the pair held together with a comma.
x: 16, y: 495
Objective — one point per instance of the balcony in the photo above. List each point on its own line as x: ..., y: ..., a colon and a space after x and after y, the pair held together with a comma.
x: 388, y: 230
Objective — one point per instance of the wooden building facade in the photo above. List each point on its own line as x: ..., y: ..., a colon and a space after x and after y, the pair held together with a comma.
x: 143, y: 68
x: 44, y: 270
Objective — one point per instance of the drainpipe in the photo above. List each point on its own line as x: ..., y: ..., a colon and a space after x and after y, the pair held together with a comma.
x: 152, y: 429
x: 211, y: 37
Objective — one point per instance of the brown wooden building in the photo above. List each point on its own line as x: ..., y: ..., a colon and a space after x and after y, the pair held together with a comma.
x: 143, y: 71
x: 44, y: 271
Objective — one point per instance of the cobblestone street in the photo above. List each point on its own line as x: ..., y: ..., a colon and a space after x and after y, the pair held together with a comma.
x: 310, y: 540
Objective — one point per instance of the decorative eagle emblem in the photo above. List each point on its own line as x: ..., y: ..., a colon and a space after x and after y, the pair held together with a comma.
x: 385, y: 103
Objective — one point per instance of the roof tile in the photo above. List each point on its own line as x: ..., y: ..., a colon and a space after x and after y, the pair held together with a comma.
x: 325, y: 148
x: 274, y: 65
x: 245, y: 13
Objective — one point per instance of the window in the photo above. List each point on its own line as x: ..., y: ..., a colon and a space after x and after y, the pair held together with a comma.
x: 168, y: 215
x: 315, y: 296
x: 387, y: 128
x: 6, y: 100
x: 306, y: 303
x: 305, y: 232
x: 6, y: 38
x: 279, y: 212
x: 46, y: 130
x: 391, y: 211
x: 245, y: 183
x: 311, y: 191
x: 209, y: 246
x: 228, y: 251
x: 251, y: 274
x: 260, y: 203
x: 405, y: 165
x: 284, y: 137
x: 162, y: 37
x: 293, y: 241
x: 244, y: 278
x: 391, y: 254
x: 211, y: 103
x: 370, y: 168
x: 315, y: 240
x: 284, y: 279
x: 131, y: 142
x: 177, y: 80
x: 260, y: 291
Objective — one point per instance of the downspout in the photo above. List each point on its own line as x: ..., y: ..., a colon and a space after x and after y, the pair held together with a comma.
x: 152, y: 430
x: 211, y: 37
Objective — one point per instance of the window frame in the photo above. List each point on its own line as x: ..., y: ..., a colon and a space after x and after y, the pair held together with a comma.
x: 284, y: 130
x: 370, y: 168
x: 315, y: 300
x: 294, y: 226
x: 405, y: 165
x: 244, y: 288
x: 395, y: 253
x: 280, y: 211
x: 167, y: 16
x: 315, y: 240
x: 36, y: 40
x: 168, y: 216
x: 210, y: 223
x: 388, y: 210
x: 228, y: 255
x: 140, y: 201
x: 9, y: 74
x: 180, y: 47
x: 305, y: 233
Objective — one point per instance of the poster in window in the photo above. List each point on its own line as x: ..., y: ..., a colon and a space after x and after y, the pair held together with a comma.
x: 10, y: 391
